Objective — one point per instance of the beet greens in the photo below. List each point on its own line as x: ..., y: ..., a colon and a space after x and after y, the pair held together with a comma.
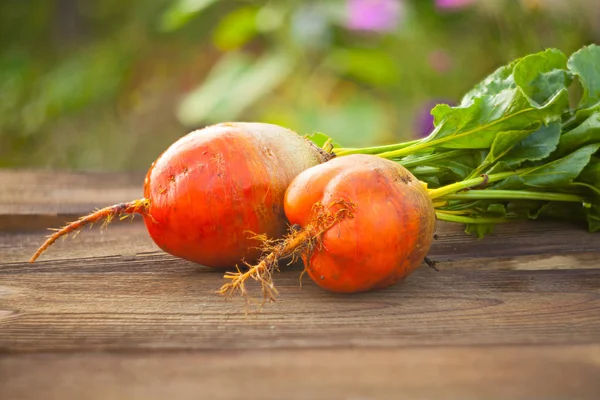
x: 520, y: 145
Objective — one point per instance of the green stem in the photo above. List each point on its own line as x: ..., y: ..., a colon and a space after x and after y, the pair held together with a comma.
x: 477, y: 171
x: 469, y: 220
x: 513, y: 195
x: 424, y: 170
x: 423, y: 144
x: 374, y: 150
x: 455, y: 187
x: 429, y: 158
x: 408, y: 150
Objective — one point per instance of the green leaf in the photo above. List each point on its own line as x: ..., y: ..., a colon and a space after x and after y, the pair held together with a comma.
x: 585, y: 63
x: 587, y: 132
x: 537, y: 146
x: 514, y: 182
x: 593, y: 218
x: 496, y: 210
x: 487, y: 210
x: 429, y: 175
x: 554, y: 175
x: 589, y: 178
x: 476, y: 126
x: 458, y: 168
x: 503, y: 143
x: 528, y: 140
x: 518, y: 97
x: 591, y: 173
x: 479, y: 230
x: 560, y: 172
x: 541, y: 75
x: 497, y: 81
x: 559, y: 210
x: 320, y: 139
x: 524, y: 208
x: 500, y: 166
x: 578, y: 186
x: 431, y: 181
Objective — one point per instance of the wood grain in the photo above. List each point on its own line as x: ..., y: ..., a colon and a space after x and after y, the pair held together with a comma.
x: 43, y: 198
x: 121, y: 238
x: 159, y: 302
x: 558, y: 243
x: 472, y: 373
x: 39, y: 191
x: 107, y: 315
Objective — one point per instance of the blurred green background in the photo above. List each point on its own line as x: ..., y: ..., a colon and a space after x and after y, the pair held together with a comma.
x: 109, y: 84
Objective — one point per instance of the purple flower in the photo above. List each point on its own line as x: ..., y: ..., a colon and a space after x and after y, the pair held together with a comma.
x: 373, y: 15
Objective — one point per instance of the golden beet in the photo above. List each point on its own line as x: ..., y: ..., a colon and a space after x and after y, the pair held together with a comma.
x: 388, y: 235
x: 360, y: 223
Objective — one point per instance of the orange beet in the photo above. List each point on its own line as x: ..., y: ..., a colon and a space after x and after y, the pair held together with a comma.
x: 389, y: 234
x: 360, y: 223
x: 213, y: 189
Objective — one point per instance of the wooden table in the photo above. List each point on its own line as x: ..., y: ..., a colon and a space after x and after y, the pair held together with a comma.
x: 108, y: 316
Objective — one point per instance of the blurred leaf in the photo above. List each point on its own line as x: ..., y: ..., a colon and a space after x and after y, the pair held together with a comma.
x: 270, y: 17
x: 80, y: 79
x: 309, y: 26
x: 83, y: 78
x: 208, y: 97
x: 357, y: 120
x: 181, y: 12
x: 234, y: 84
x: 236, y: 28
x: 370, y: 66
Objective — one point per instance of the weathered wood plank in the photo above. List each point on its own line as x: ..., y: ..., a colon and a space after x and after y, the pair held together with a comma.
x: 121, y: 238
x: 560, y: 244
x: 43, y: 197
x: 35, y: 200
x: 43, y: 192
x: 159, y: 302
x: 503, y: 372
